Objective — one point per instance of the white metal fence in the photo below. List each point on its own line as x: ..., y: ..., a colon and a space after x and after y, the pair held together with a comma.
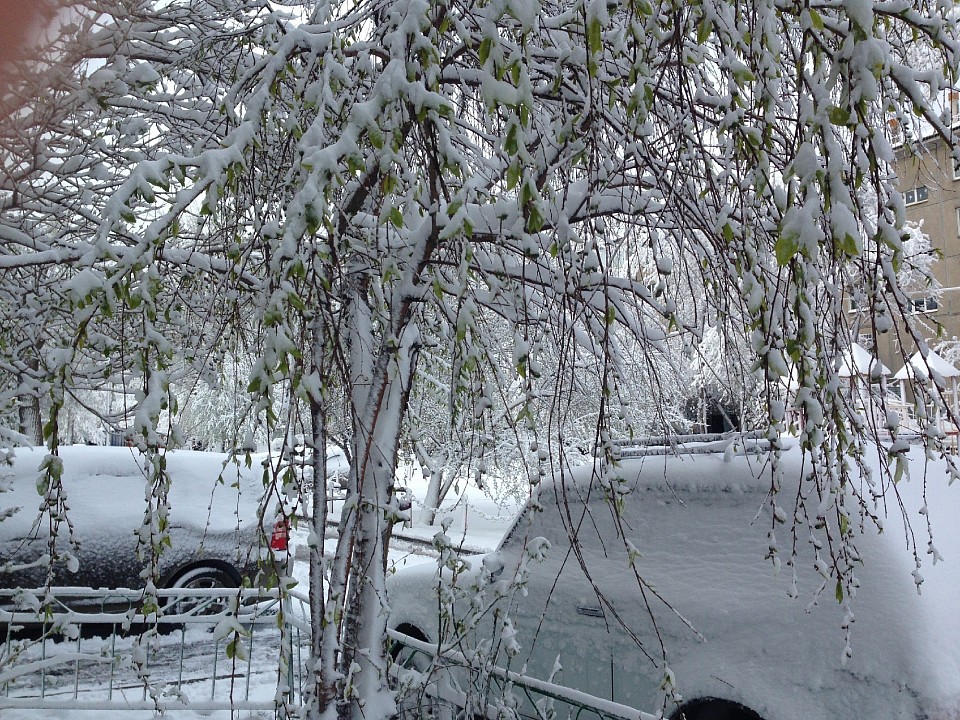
x: 449, y: 686
x: 207, y: 649
x: 231, y: 650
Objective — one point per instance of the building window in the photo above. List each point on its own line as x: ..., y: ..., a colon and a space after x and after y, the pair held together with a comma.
x: 956, y: 168
x: 924, y: 305
x: 916, y: 195
x: 958, y: 221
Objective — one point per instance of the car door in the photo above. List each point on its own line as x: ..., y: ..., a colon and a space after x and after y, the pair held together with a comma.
x: 563, y: 627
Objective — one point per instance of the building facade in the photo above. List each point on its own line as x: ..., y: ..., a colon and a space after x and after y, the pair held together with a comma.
x: 930, y: 183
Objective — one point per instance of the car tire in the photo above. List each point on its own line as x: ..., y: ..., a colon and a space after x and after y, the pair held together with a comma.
x: 714, y: 709
x: 201, y: 577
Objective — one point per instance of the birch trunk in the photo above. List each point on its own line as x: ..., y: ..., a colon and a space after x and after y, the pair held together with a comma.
x: 323, y: 689
x: 364, y: 653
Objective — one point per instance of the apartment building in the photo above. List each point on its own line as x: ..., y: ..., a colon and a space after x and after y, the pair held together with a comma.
x: 930, y: 183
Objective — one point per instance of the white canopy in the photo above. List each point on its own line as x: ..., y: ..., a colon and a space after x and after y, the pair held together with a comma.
x: 937, y: 365
x: 857, y: 361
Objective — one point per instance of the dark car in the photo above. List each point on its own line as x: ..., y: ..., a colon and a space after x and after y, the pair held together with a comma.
x: 218, y: 533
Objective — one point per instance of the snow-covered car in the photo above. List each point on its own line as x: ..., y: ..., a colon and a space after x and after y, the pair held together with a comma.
x: 218, y: 534
x: 338, y: 467
x: 301, y: 456
x: 683, y: 567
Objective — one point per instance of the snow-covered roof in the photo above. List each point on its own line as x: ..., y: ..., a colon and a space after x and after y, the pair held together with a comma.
x: 857, y: 361
x: 917, y: 364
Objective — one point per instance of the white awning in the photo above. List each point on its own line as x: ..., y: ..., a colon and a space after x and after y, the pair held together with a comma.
x: 857, y: 361
x: 934, y: 362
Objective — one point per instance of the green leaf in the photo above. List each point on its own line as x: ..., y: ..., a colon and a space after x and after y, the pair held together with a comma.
x: 389, y: 183
x: 703, y: 31
x: 899, y: 472
x: 839, y: 592
x: 848, y: 245
x: 297, y: 302
x: 513, y: 176
x: 743, y: 75
x: 839, y: 116
x: 312, y: 218
x: 815, y: 19
x: 485, y: 45
x: 787, y: 246
x: 526, y: 193
x: 396, y: 217
x: 355, y: 164
x: 594, y: 36
x: 534, y: 220
x: 510, y: 145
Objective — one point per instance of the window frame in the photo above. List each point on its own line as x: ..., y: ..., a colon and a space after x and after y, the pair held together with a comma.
x: 924, y: 305
x: 912, y: 196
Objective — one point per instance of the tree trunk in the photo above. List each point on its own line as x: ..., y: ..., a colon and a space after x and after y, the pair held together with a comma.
x: 30, y: 415
x: 323, y: 687
x: 441, y: 480
x: 380, y: 404
x: 31, y: 422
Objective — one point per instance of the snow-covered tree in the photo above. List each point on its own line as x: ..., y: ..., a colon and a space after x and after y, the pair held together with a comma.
x: 365, y: 187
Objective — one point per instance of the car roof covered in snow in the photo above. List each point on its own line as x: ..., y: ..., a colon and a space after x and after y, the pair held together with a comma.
x: 208, y: 490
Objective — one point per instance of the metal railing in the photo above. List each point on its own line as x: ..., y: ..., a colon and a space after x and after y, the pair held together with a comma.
x: 206, y: 649
x: 231, y: 650
x: 744, y: 442
x: 447, y: 686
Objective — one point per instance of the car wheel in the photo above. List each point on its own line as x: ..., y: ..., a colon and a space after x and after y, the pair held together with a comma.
x: 714, y: 709
x: 201, y: 577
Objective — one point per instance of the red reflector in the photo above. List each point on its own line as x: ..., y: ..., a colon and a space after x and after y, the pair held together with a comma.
x: 281, y: 535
